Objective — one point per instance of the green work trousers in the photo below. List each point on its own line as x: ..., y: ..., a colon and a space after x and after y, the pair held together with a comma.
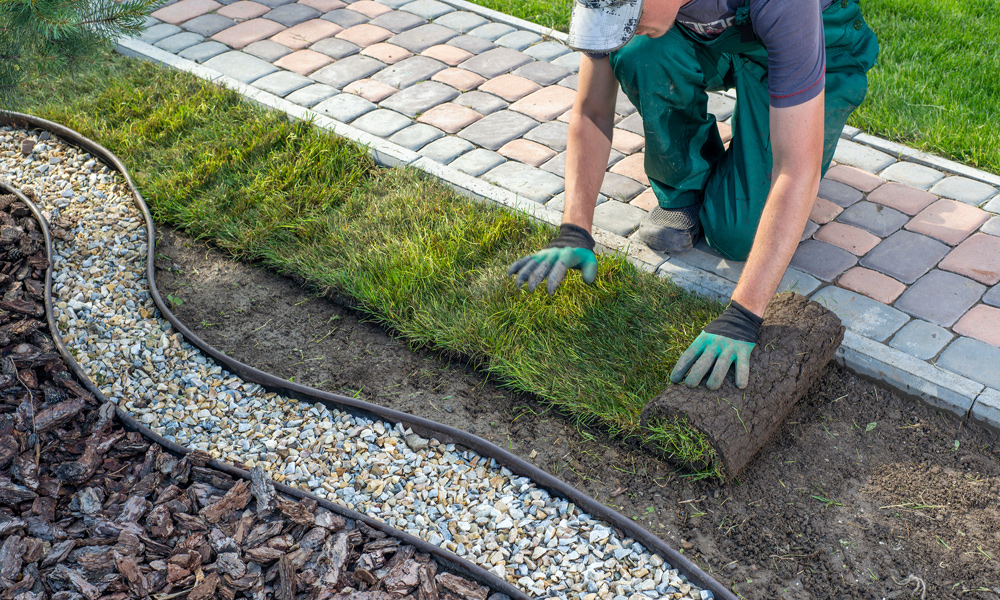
x: 667, y: 78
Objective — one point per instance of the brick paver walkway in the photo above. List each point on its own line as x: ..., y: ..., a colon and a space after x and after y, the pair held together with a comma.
x: 903, y: 246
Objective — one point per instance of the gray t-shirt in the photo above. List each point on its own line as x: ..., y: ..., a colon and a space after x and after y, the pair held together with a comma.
x: 791, y: 31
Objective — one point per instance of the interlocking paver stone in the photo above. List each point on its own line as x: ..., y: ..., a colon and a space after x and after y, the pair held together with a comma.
x: 419, y: 98
x: 974, y: 359
x: 863, y: 157
x: 878, y: 219
x: 159, y: 32
x: 398, y: 21
x: 282, y: 83
x: 839, y: 193
x: 483, y: 104
x: 303, y: 62
x: 347, y: 70
x: 495, y: 130
x: 618, y: 218
x: 987, y: 407
x: 208, y: 25
x: 460, y: 79
x: 646, y: 201
x: 547, y: 51
x: 964, y: 190
x: 371, y: 90
x: 248, y: 32
x: 632, y: 167
x: 388, y: 53
x: 382, y: 122
x: 420, y: 38
x: 344, y: 107
x: 940, y: 297
x: 850, y: 238
x: 824, y: 211
x: 496, y: 62
x: 477, y: 162
x: 177, y: 43
x: 557, y: 165
x: 992, y: 227
x: 860, y: 314
x: 569, y: 61
x: 632, y: 124
x: 518, y: 40
x: 306, y: 34
x: 913, y: 174
x: 921, y: 339
x: 541, y: 72
x: 364, y: 34
x: 273, y: 3
x: 572, y: 82
x: 510, y: 87
x: 472, y: 44
x: 204, y: 51
x: 311, y: 95
x: 290, y: 15
x: 449, y: 55
x: 798, y: 282
x: 395, y: 4
x: 703, y: 257
x: 623, y: 106
x: 492, y: 31
x: 822, y: 260
x: 977, y: 258
x: 619, y: 187
x: 428, y: 9
x: 369, y: 9
x: 982, y: 323
x: 904, y: 198
x: 185, y: 10
x: 545, y: 104
x: 626, y: 141
x: 345, y: 18
x: 809, y: 230
x: 552, y: 134
x: 240, y: 66
x: 416, y: 136
x: 856, y: 178
x: 461, y: 21
x: 873, y: 284
x: 446, y: 149
x: 948, y: 220
x: 526, y: 151
x: 410, y: 71
x: 244, y: 10
x: 267, y: 50
x: 992, y: 297
x: 334, y: 48
x: 905, y: 256
x: 324, y: 6
x: 529, y: 182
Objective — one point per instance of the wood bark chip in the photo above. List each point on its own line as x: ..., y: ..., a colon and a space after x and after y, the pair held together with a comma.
x: 235, y: 499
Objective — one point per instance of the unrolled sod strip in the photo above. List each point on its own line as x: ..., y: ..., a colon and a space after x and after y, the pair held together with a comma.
x: 451, y: 497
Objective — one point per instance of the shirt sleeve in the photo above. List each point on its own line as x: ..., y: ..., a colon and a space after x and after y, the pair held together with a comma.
x: 792, y: 33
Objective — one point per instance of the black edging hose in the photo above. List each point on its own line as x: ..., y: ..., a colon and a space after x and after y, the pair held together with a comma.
x: 419, y: 425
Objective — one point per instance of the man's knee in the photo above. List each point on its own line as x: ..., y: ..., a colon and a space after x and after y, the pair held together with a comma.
x: 731, y: 240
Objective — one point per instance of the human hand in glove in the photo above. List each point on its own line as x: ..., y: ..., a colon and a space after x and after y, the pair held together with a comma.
x: 573, y: 249
x: 728, y: 339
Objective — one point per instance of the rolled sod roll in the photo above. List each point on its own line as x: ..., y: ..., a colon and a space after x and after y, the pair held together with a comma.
x: 718, y: 433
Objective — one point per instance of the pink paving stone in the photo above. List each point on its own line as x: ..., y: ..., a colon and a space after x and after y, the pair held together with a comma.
x: 460, y: 79
x: 248, y: 32
x: 450, y: 117
x: 185, y: 10
x: 306, y: 34
x: 948, y: 220
x: 365, y: 34
x: 977, y: 258
x: 856, y: 178
x: 526, y: 151
x: 546, y: 104
x: 632, y: 166
x: 243, y: 10
x: 449, y: 55
x: 510, y: 87
x: 323, y: 6
x: 369, y: 9
x: 725, y: 131
x: 387, y: 53
x: 981, y: 322
x: 303, y: 62
x: 370, y: 89
x: 873, y: 284
x: 903, y: 198
x: 627, y: 142
x: 824, y: 211
x: 646, y: 201
x: 850, y: 238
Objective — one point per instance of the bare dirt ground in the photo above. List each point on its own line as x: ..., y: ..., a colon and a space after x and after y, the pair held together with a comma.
x: 863, y: 494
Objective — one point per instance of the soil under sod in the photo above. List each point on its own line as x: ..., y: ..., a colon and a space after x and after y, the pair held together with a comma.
x: 864, y: 493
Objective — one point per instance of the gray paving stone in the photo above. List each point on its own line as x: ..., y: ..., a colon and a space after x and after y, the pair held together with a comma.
x: 861, y: 314
x: 703, y: 257
x: 311, y: 95
x: 471, y: 43
x: 993, y: 205
x: 569, y: 61
x: 905, y: 255
x: 547, y: 50
x: 492, y: 31
x: 345, y: 17
x: 150, y: 21
x: 428, y: 9
x: 618, y: 217
x: 796, y: 281
x: 204, y: 51
x: 241, y: 66
x: 346, y: 70
x: 420, y: 38
x: 558, y: 202
x: 822, y: 260
x: 290, y: 15
x: 275, y: 3
x: 416, y: 136
x: 541, y: 72
x: 913, y: 174
x: 632, y: 123
x: 875, y: 218
x: 921, y: 339
x: 481, y: 102
x: 861, y: 156
x: 987, y: 408
x: 572, y: 82
x: 526, y: 181
x: 552, y: 134
x: 461, y: 21
x: 556, y: 165
x: 419, y: 98
x: 623, y: 106
x: 447, y: 149
x: 809, y: 230
x: 619, y: 187
x: 267, y: 50
x: 964, y: 190
x: 282, y: 83
x: 477, y: 162
x: 940, y: 297
x: 208, y: 25
x: 496, y: 62
x: 495, y: 130
x: 396, y: 4
x: 973, y: 359
x: 614, y: 157
x: 159, y: 32
x: 182, y: 41
x: 335, y: 48
x: 992, y: 226
x: 398, y: 21
x: 840, y: 194
x: 518, y: 40
x: 344, y: 107
x: 721, y: 106
x: 409, y: 71
x: 992, y: 297
x: 382, y: 123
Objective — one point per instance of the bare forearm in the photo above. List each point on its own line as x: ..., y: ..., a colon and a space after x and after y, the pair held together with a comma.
x: 587, y: 150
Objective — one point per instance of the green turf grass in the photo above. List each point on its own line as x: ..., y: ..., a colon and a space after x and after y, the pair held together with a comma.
x: 425, y: 261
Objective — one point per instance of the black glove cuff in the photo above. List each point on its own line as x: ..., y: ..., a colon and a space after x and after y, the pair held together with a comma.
x: 736, y: 323
x: 572, y: 236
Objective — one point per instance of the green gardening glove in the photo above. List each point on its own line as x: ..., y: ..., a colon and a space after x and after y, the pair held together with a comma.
x: 728, y: 339
x: 573, y: 249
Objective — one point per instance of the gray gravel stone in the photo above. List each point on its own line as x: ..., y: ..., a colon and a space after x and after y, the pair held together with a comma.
x: 346, y: 70
x: 618, y: 217
x: 861, y: 314
x: 409, y: 71
x: 473, y: 44
x: 290, y: 15
x: 159, y: 32
x: 495, y: 130
x: 382, y: 123
x: 974, y: 359
x: 416, y: 136
x: 419, y: 98
x: 311, y: 95
x: 447, y: 149
x: 461, y: 21
x: 940, y: 297
x: 905, y: 255
x: 335, y: 48
x: 481, y: 102
x: 428, y: 9
x: 345, y: 17
x: 204, y: 51
x: 241, y: 66
x: 526, y: 181
x: 492, y: 31
x: 875, y: 218
x: 552, y: 134
x: 477, y: 162
x: 182, y: 41
x: 398, y: 21
x: 208, y: 25
x: 282, y: 83
x: 267, y: 50
x: 921, y: 339
x: 542, y: 73
x: 964, y: 190
x: 344, y: 107
x: 518, y: 40
x: 420, y: 38
x: 547, y: 50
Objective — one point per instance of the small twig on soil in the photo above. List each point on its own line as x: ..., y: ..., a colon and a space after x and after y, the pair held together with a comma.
x: 919, y: 585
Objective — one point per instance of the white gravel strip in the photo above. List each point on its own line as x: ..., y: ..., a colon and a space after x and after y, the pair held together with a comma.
x: 450, y: 497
